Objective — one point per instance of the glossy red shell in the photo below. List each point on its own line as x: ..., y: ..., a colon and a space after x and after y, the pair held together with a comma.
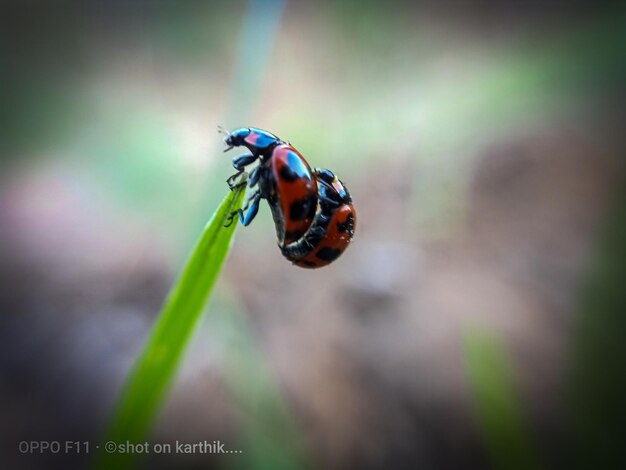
x: 337, y: 238
x: 296, y: 190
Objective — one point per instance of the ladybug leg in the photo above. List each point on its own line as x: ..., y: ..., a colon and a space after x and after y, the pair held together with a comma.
x: 240, y: 162
x: 249, y: 216
x: 256, y: 194
x: 254, y: 208
x: 231, y: 217
x: 253, y: 179
x: 232, y: 180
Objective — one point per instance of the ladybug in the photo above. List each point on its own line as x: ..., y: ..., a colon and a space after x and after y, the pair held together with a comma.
x: 332, y: 228
x: 312, y: 209
x: 283, y: 178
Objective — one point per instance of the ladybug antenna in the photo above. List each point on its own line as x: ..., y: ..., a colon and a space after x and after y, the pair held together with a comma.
x: 221, y: 130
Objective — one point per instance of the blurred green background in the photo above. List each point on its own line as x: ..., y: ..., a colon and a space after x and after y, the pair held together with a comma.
x: 473, y: 322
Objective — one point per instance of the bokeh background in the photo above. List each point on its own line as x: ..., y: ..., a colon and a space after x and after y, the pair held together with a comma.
x: 475, y: 322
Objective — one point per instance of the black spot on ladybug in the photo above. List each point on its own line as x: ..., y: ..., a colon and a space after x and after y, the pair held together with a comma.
x: 294, y: 169
x: 302, y: 208
x: 328, y: 254
x: 288, y: 174
x: 348, y: 225
x: 298, y: 209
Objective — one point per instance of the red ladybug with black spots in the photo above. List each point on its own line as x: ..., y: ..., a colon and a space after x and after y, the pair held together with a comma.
x: 283, y: 178
x: 312, y: 211
x: 332, y: 228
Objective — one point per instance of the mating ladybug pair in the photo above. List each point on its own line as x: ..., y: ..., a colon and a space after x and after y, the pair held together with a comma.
x: 312, y: 209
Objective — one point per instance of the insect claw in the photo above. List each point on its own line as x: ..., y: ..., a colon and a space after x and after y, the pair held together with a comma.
x: 230, y: 219
x: 242, y: 182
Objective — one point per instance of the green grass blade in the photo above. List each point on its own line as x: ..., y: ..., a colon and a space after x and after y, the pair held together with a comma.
x: 152, y: 375
x: 499, y: 409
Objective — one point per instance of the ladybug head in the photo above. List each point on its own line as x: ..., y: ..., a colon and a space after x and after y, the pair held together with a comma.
x: 234, y: 138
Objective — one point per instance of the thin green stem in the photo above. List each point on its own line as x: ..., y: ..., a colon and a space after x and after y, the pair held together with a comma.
x: 153, y: 374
